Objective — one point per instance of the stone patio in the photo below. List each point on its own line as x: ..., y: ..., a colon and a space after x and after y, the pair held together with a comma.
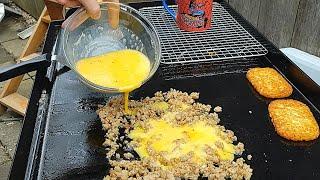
x: 11, y: 47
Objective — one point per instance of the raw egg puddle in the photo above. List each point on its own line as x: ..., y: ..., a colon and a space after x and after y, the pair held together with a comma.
x: 124, y: 70
x: 174, y: 141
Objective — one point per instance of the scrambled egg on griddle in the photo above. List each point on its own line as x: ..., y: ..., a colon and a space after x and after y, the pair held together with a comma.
x: 175, y: 141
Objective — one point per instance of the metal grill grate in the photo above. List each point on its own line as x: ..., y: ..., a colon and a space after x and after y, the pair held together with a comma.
x: 226, y: 39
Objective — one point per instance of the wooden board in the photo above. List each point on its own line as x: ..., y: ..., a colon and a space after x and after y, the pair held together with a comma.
x: 46, y: 19
x: 277, y: 20
x: 306, y: 35
x: 37, y: 36
x: 294, y: 23
x: 12, y: 85
x: 32, y: 45
x: 55, y: 10
x: 16, y: 102
x: 34, y: 7
x: 30, y: 56
x: 249, y: 9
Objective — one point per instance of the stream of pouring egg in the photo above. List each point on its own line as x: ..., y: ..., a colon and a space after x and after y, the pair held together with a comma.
x: 124, y: 70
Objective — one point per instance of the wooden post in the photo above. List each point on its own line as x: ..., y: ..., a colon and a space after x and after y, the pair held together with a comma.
x: 55, y: 10
x: 9, y: 98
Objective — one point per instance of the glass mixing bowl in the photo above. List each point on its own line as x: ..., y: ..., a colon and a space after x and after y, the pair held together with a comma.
x: 95, y: 37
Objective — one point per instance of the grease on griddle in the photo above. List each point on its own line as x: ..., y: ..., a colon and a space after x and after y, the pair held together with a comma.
x: 90, y: 104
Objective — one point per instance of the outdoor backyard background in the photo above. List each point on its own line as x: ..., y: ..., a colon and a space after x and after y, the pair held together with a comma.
x: 287, y: 23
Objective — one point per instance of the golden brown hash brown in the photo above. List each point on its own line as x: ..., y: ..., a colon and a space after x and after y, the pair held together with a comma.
x: 293, y: 120
x: 269, y: 83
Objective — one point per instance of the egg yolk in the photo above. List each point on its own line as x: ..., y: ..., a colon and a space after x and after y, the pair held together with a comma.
x: 124, y: 70
x: 177, y: 141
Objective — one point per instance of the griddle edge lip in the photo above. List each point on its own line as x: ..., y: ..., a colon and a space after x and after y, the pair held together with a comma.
x: 30, y: 138
x: 20, y: 162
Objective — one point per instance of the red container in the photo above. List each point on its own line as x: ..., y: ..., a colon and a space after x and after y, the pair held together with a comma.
x: 192, y: 15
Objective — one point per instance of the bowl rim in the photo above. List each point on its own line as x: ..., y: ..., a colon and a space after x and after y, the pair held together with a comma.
x: 147, y: 26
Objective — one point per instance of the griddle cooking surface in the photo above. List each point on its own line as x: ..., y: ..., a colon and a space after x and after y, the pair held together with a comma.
x: 74, y: 135
x: 74, y: 132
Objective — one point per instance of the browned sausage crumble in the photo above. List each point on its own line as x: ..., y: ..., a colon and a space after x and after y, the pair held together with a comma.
x: 120, y: 149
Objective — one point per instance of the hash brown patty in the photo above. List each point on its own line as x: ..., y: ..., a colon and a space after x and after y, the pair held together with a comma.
x: 269, y: 83
x: 293, y: 120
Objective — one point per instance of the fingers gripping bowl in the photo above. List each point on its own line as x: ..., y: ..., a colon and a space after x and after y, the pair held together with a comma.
x: 96, y: 37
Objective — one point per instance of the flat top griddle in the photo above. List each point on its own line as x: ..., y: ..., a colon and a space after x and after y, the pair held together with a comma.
x: 62, y: 135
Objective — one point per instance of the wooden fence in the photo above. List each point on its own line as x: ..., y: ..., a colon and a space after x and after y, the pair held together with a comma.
x: 34, y: 7
x: 294, y: 23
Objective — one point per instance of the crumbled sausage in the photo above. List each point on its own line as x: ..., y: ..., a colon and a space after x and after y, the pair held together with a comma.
x: 217, y: 109
x: 127, y: 167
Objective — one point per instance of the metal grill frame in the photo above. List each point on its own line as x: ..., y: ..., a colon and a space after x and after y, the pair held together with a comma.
x: 227, y: 39
x: 29, y: 149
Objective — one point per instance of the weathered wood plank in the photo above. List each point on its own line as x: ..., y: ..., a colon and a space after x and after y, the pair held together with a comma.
x: 276, y: 20
x: 248, y: 9
x: 46, y: 19
x: 16, y: 102
x: 26, y: 58
x: 306, y: 35
x: 34, y: 7
x: 279, y: 20
x: 55, y: 10
x: 34, y: 42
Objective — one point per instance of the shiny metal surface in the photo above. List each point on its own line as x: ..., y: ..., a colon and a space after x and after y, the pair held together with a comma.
x: 226, y: 39
x: 70, y: 135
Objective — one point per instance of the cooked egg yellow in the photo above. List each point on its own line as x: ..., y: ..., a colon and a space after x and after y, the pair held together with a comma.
x: 178, y: 141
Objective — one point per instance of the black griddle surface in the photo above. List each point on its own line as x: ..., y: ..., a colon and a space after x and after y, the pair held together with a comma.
x: 73, y: 143
x: 67, y: 134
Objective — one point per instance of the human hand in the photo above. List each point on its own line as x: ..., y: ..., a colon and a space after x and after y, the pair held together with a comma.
x: 91, y: 8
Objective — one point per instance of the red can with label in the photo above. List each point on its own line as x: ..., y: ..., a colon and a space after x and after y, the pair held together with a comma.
x: 192, y: 15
